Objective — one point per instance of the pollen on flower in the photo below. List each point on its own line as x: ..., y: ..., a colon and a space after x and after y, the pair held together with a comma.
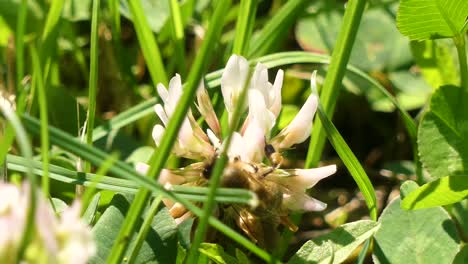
x: 277, y: 191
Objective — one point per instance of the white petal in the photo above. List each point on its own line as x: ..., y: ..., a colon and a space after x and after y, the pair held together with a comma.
x: 157, y: 134
x: 237, y: 146
x: 233, y: 79
x: 161, y: 113
x: 254, y: 143
x: 259, y: 112
x: 142, y: 168
x: 307, y: 178
x: 302, y: 202
x: 174, y: 94
x: 260, y: 82
x: 299, y: 129
x: 162, y: 91
x: 167, y: 176
x: 275, y: 107
x: 213, y: 139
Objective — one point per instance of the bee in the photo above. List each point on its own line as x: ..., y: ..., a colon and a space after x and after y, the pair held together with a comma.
x: 260, y: 224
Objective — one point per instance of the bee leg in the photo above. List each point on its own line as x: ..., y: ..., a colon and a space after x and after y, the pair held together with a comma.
x: 284, y: 220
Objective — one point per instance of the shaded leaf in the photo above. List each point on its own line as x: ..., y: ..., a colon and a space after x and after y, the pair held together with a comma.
x: 462, y: 256
x: 459, y: 212
x: 160, y: 245
x: 423, y: 236
x: 336, y: 246
x: 443, y: 133
x: 378, y: 44
x: 412, y: 91
x: 90, y: 212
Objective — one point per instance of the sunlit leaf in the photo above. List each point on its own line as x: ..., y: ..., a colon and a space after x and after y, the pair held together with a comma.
x: 443, y: 191
x: 431, y: 19
x: 435, y: 60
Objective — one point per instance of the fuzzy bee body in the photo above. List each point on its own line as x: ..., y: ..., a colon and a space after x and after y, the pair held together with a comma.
x: 261, y: 223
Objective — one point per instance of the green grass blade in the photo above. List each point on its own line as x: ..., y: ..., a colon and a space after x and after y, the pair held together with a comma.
x: 26, y: 151
x: 89, y: 192
x: 276, y: 27
x: 159, y: 158
x: 131, y: 115
x: 178, y: 38
x: 349, y: 159
x: 42, y: 98
x: 332, y: 84
x: 19, y: 42
x: 93, y: 78
x: 145, y: 227
x: 120, y: 169
x: 244, y: 26
x: 148, y: 43
x: 99, y: 181
x: 49, y: 36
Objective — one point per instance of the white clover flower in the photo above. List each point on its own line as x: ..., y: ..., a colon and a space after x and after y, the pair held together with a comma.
x: 76, y: 244
x: 13, y: 210
x: 57, y: 240
x: 250, y: 146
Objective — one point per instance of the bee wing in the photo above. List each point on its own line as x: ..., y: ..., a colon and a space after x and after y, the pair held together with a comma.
x: 191, y: 172
x: 247, y: 222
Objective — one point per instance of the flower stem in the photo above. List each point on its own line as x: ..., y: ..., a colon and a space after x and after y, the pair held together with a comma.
x: 332, y: 84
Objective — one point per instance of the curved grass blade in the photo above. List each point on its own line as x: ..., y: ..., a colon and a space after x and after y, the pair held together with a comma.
x: 348, y: 158
x: 334, y: 77
x: 275, y: 60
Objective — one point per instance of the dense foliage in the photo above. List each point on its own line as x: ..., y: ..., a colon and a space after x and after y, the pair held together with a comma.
x: 104, y: 156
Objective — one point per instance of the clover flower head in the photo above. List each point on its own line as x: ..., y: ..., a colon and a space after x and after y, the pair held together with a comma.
x: 59, y: 240
x: 253, y: 142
